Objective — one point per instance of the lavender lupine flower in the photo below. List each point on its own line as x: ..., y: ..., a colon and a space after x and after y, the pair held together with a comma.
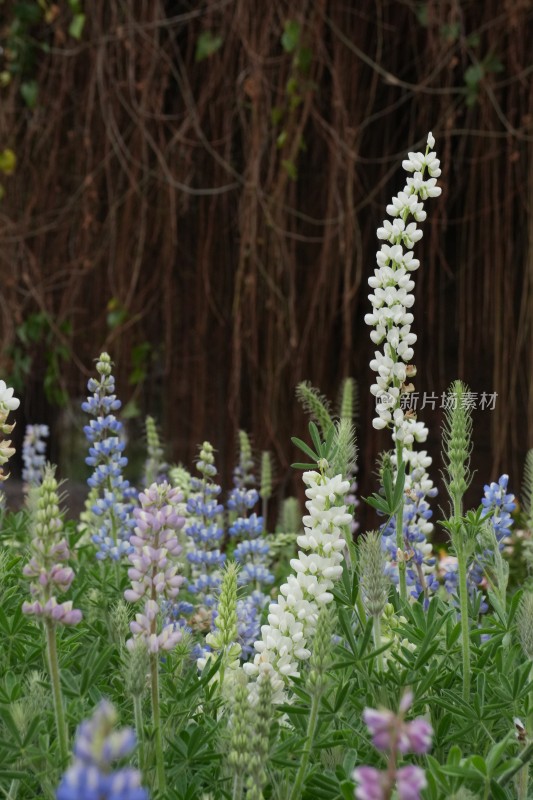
x: 205, y: 531
x: 154, y: 571
x: 33, y: 453
x: 97, y: 747
x: 292, y: 619
x: 390, y: 733
x: 50, y: 552
x: 113, y: 509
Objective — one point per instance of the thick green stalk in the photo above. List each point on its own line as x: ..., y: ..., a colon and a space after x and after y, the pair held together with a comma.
x: 465, y: 622
x: 463, y: 597
x: 311, y: 730
x: 399, y: 532
x: 156, y: 717
x: 523, y: 779
x: 524, y: 758
x: 139, y: 728
x: 237, y: 786
x: 376, y: 627
x: 59, y: 711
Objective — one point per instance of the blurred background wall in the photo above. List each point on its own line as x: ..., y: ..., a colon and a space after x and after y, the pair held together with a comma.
x: 195, y: 187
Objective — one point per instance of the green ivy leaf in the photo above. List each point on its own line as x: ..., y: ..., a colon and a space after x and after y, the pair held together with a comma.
x: 29, y: 91
x: 290, y: 38
x: 207, y: 44
x: 75, y: 28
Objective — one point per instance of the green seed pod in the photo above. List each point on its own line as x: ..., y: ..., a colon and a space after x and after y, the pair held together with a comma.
x: 265, y: 491
x: 524, y: 621
x: 373, y: 581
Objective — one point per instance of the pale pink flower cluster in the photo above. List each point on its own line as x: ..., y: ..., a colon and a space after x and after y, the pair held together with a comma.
x: 50, y: 551
x: 154, y: 566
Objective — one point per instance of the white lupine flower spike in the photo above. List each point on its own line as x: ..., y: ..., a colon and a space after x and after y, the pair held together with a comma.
x: 392, y: 285
x: 292, y: 619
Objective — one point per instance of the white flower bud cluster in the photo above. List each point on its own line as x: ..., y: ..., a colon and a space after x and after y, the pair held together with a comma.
x: 292, y: 619
x: 392, y: 296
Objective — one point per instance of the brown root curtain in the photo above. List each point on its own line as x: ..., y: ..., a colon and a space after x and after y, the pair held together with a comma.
x: 197, y: 191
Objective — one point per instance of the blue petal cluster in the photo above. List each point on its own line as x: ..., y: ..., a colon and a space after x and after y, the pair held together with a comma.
x: 498, y: 506
x: 204, y: 529
x: 251, y: 553
x: 34, y: 454
x: 97, y: 746
x: 113, y: 508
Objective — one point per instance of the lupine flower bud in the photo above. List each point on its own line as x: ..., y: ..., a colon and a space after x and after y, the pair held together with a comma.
x: 239, y: 733
x: 457, y: 434
x: 224, y: 638
x: 119, y: 622
x: 97, y: 747
x: 154, y: 465
x: 321, y: 651
x: 49, y: 551
x: 372, y: 574
x: 137, y: 668
x: 243, y: 472
x: 261, y: 719
x: 524, y: 620
x: 265, y: 492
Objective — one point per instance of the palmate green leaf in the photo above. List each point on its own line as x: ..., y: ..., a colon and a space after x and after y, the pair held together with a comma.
x: 315, y: 436
x: 305, y: 448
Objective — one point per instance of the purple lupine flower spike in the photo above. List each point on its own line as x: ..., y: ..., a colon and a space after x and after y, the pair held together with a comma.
x: 154, y: 566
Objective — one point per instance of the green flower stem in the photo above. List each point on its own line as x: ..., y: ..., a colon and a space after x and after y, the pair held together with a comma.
x: 376, y: 627
x: 156, y: 717
x: 139, y: 728
x: 463, y: 596
x: 59, y: 710
x: 399, y: 531
x: 523, y: 780
x: 525, y: 757
x: 237, y: 786
x: 311, y: 730
x: 465, y: 622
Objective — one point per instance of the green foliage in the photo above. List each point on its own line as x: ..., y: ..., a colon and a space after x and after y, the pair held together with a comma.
x: 39, y: 332
x: 207, y: 45
x: 316, y: 405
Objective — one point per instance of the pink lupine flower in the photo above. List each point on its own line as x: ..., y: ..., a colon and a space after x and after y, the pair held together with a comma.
x: 371, y: 785
x: 154, y: 568
x: 410, y: 780
x: 391, y: 733
x: 49, y: 552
